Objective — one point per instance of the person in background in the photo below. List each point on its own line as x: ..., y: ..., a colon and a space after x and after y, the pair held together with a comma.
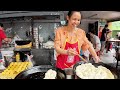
x: 69, y: 40
x: 103, y: 38
x: 100, y: 31
x: 86, y: 54
x: 3, y: 37
x: 81, y: 53
x: 109, y: 44
x: 88, y: 36
x: 119, y: 35
x: 95, y: 41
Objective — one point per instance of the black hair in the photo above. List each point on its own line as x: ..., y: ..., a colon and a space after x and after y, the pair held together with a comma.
x: 70, y: 13
x: 92, y: 31
x: 106, y: 25
x: 1, y: 25
x: 88, y: 36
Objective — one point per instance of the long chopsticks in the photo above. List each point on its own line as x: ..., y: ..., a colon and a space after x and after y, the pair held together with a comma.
x: 66, y: 65
x: 81, y: 57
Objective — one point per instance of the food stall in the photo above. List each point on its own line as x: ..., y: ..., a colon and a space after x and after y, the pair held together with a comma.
x: 30, y: 42
x: 36, y: 60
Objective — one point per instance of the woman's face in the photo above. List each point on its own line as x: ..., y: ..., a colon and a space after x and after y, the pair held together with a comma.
x: 74, y: 20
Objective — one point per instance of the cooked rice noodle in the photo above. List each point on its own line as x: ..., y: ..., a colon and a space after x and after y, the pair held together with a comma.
x: 89, y: 71
x: 50, y: 74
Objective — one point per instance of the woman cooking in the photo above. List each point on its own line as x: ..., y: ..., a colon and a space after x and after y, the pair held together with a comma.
x: 69, y: 40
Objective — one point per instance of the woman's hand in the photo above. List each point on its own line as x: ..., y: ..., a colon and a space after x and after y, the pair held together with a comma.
x: 97, y: 59
x: 72, y: 52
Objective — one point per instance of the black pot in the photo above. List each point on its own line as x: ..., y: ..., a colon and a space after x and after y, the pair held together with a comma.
x: 22, y: 42
x: 67, y: 73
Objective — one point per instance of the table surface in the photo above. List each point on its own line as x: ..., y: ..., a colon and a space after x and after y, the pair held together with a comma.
x: 114, y: 40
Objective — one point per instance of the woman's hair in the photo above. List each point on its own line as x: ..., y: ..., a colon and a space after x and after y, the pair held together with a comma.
x: 70, y: 13
x: 92, y: 31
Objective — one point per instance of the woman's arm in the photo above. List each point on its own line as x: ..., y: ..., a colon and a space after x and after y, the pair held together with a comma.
x: 57, y: 43
x: 88, y: 46
x: 7, y: 39
x: 92, y: 51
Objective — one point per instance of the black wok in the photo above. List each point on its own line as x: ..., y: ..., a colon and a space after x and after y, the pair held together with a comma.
x: 36, y: 72
x: 114, y: 71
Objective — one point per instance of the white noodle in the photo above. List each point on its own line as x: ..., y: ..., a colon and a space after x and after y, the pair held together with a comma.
x: 50, y: 74
x: 88, y: 71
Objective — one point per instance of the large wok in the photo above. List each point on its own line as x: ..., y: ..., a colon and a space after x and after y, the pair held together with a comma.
x: 113, y: 70
x: 37, y: 72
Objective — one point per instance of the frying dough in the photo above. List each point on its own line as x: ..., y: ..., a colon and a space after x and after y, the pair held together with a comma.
x: 89, y: 71
x: 50, y: 74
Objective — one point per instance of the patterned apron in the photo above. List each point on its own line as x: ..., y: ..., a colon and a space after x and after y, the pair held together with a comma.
x: 66, y: 61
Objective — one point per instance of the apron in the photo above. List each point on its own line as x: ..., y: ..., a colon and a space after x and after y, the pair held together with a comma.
x: 66, y: 61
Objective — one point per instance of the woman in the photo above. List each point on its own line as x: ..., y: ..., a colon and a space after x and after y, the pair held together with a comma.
x: 100, y: 31
x: 3, y: 37
x: 69, y: 40
x: 103, y: 38
x: 95, y: 41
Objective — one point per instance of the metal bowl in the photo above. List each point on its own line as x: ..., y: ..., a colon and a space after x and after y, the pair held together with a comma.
x: 69, y: 73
